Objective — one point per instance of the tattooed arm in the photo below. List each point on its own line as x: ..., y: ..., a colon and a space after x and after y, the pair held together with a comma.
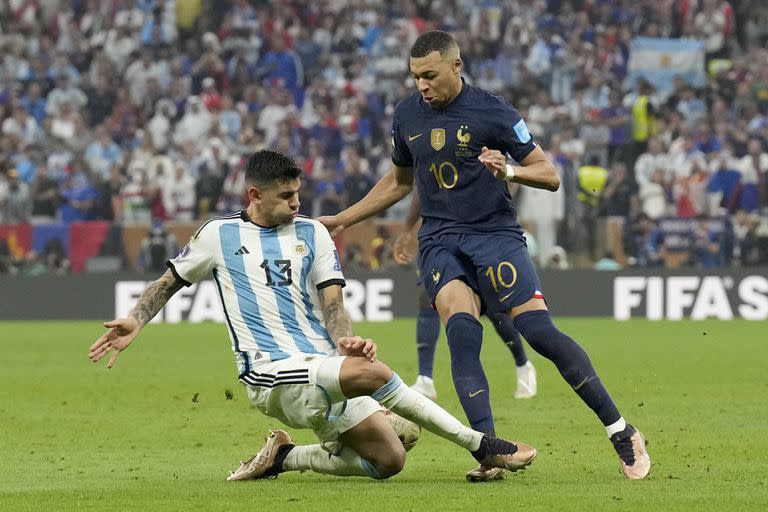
x: 122, y: 331
x: 339, y: 325
x: 154, y: 298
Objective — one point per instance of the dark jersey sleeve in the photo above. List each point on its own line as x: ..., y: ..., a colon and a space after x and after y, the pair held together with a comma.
x: 514, y: 136
x: 401, y: 154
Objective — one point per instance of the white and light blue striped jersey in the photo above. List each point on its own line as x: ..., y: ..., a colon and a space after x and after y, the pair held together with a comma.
x: 268, y: 281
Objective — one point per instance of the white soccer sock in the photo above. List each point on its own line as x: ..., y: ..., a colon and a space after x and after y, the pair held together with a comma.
x: 314, y: 458
x: 616, y: 426
x: 412, y: 405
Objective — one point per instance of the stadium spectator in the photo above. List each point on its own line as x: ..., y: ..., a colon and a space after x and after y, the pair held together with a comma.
x: 77, y: 196
x: 754, y: 177
x: 44, y: 197
x: 329, y: 193
x: 617, y: 118
x: 648, y: 242
x: 651, y: 161
x: 207, y: 190
x: 15, y: 202
x: 159, y: 126
x: 652, y: 196
x: 102, y: 154
x: 64, y: 93
x: 705, y: 240
x: 357, y: 178
x: 101, y: 99
x: 157, y: 247
x: 34, y: 102
x: 591, y: 182
x: 619, y: 198
x: 22, y: 127
x: 194, y: 125
x: 178, y: 202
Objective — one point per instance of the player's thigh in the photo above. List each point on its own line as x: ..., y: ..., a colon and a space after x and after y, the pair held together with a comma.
x: 450, y: 282
x: 505, y: 274
x: 456, y: 296
x: 301, y: 391
x: 375, y: 440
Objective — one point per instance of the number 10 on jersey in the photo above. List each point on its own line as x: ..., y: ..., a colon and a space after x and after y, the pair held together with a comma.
x: 446, y: 174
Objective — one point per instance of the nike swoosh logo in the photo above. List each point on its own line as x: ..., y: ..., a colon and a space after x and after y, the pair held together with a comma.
x: 414, y: 137
x: 473, y: 395
x: 502, y: 299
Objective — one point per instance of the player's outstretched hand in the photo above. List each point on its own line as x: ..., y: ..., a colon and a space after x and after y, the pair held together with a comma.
x: 495, y: 161
x: 121, y: 333
x: 357, y: 346
x: 404, y: 248
x: 332, y: 224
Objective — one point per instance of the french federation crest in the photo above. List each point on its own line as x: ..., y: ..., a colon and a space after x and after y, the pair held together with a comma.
x: 463, y: 136
x: 437, y: 138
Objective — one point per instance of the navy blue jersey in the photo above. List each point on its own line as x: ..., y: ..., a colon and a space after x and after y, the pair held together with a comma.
x: 458, y: 193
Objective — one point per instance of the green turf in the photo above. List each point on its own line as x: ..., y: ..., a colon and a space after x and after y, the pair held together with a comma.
x: 75, y: 436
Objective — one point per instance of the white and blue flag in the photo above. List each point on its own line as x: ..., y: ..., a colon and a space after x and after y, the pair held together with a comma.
x: 659, y: 60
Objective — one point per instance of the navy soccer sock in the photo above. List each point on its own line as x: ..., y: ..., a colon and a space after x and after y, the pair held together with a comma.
x: 505, y: 327
x: 571, y: 360
x: 427, y: 332
x: 465, y: 338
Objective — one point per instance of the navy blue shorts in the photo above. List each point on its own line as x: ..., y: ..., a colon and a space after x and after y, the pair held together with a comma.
x: 495, y: 265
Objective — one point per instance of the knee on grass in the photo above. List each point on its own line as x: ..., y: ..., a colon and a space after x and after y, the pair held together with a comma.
x: 387, y: 464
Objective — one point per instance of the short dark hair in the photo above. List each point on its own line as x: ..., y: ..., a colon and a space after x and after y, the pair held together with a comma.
x: 267, y: 166
x: 433, y: 41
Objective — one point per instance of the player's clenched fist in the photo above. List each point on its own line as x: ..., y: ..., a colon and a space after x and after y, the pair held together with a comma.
x: 495, y: 161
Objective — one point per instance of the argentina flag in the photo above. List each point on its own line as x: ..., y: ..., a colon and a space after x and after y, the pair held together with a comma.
x: 659, y: 60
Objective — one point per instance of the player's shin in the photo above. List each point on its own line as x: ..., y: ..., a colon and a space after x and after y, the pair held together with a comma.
x: 465, y: 338
x: 412, y: 405
x: 505, y: 328
x: 427, y: 333
x: 571, y: 360
x: 313, y: 458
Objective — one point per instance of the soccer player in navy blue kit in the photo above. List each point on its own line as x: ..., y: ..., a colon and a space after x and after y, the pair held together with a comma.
x: 428, y: 324
x: 454, y: 139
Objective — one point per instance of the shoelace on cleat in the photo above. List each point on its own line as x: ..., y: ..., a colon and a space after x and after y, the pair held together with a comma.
x: 497, y: 446
x: 624, y: 448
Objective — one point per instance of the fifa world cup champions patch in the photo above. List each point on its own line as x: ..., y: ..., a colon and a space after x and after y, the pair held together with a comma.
x: 521, y: 130
x: 437, y: 138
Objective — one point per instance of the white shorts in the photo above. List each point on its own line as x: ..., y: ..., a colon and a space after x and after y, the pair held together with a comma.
x: 303, y: 391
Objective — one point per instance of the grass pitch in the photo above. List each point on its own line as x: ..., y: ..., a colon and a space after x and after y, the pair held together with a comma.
x: 158, y: 433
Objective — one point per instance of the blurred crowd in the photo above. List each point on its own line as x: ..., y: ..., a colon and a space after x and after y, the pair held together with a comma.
x: 142, y: 110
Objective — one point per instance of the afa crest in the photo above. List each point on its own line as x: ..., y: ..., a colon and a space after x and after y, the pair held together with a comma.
x: 300, y: 249
x: 463, y: 136
x: 437, y: 138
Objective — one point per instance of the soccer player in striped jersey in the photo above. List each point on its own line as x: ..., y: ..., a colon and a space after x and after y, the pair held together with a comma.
x: 280, y: 283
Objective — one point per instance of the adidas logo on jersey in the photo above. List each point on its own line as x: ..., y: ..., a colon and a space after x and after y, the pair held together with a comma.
x: 242, y: 250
